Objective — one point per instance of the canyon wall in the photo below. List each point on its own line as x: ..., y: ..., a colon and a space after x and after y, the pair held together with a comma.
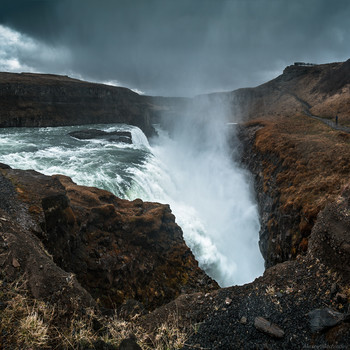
x: 299, y: 156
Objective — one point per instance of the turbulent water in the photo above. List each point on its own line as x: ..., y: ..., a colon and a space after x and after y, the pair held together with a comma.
x: 208, y: 194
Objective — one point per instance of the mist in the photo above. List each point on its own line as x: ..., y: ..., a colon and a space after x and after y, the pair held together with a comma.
x: 193, y: 169
x: 219, y: 191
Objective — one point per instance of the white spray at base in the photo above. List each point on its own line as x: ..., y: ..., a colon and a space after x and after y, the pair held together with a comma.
x: 209, y: 194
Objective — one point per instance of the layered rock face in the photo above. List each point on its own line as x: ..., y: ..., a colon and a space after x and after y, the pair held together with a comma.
x: 113, y: 249
x: 28, y: 99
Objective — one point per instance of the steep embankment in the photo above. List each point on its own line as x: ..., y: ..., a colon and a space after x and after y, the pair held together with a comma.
x: 28, y: 99
x: 300, y: 164
x: 118, y: 250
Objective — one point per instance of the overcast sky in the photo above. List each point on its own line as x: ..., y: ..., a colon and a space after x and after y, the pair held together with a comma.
x: 172, y: 47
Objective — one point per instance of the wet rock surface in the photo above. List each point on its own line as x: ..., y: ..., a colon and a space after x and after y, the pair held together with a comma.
x: 275, y: 238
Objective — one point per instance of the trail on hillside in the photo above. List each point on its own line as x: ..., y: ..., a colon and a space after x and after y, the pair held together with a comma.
x: 330, y: 123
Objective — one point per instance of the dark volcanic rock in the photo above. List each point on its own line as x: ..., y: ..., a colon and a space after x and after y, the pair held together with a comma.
x: 267, y: 327
x: 113, y: 136
x: 4, y: 166
x: 275, y: 240
x: 321, y: 319
x: 116, y: 249
x: 331, y: 235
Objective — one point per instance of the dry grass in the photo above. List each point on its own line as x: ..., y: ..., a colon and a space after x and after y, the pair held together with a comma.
x: 167, y: 336
x: 30, y: 324
x: 270, y: 290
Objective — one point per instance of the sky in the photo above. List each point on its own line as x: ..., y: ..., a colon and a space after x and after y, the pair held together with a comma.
x: 171, y: 47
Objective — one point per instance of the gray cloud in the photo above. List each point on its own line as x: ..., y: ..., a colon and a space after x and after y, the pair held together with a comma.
x: 183, y: 47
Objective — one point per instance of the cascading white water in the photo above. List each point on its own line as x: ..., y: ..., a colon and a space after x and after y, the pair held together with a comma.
x: 209, y: 193
x: 192, y: 171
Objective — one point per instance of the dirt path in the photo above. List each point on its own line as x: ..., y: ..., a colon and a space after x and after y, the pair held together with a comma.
x: 333, y: 125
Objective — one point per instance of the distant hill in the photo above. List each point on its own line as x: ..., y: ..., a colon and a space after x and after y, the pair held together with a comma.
x: 29, y: 99
x: 322, y: 90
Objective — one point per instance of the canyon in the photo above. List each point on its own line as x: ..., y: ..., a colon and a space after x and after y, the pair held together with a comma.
x: 80, y: 245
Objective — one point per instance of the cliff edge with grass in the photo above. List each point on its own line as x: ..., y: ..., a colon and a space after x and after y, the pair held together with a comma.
x: 297, y: 149
x: 78, y: 248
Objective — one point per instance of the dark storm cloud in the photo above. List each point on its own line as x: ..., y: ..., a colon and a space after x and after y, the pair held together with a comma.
x: 185, y: 47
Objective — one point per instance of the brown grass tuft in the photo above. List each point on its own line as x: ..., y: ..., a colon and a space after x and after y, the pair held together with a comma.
x: 26, y: 323
x: 311, y: 165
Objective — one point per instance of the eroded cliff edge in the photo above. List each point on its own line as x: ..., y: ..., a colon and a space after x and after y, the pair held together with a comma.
x: 114, y: 249
x: 305, y: 301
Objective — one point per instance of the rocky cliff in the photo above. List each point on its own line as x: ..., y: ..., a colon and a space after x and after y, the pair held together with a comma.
x: 299, y: 156
x: 291, y: 143
x: 28, y: 99
x: 297, y: 304
x: 87, y: 241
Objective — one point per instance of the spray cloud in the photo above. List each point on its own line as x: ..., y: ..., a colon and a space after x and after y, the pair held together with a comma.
x: 211, y: 196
